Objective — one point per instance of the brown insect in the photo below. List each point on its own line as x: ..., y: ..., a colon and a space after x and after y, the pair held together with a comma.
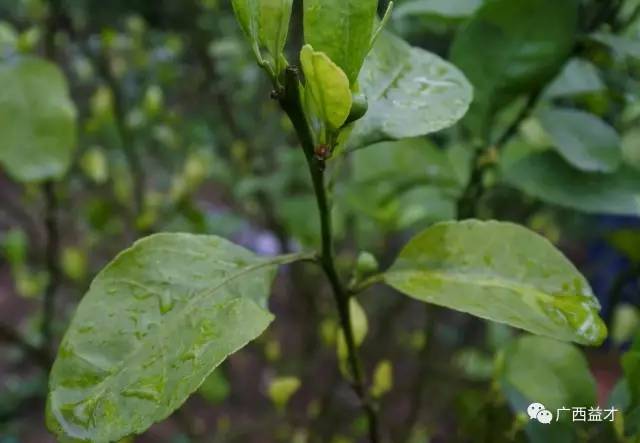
x: 322, y: 152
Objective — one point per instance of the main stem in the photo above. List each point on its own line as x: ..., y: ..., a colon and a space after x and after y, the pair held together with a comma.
x: 290, y: 102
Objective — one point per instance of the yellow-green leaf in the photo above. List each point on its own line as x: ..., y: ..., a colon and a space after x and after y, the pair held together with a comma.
x: 328, y: 87
x: 382, y: 379
x: 282, y: 389
x: 501, y: 272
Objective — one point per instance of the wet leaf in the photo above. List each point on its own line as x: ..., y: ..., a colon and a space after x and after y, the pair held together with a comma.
x: 327, y: 86
x: 37, y: 120
x: 500, y: 272
x: 342, y: 29
x: 512, y: 47
x: 584, y: 140
x: 411, y: 92
x: 153, y: 326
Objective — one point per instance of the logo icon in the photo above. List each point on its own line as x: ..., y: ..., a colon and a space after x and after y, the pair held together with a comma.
x: 537, y: 411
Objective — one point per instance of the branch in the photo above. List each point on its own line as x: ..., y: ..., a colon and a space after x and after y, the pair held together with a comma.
x: 290, y: 102
x: 38, y: 354
x: 126, y: 137
x: 52, y: 255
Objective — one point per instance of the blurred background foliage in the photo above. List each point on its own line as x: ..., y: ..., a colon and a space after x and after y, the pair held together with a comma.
x: 177, y: 133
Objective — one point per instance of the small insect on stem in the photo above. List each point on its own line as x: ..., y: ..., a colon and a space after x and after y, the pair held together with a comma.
x: 322, y: 152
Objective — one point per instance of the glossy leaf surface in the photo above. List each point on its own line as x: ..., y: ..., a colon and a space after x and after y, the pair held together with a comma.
x: 153, y: 326
x: 583, y: 139
x: 37, y: 120
x: 342, y: 29
x: 500, y: 272
x: 411, y: 92
x: 510, y: 47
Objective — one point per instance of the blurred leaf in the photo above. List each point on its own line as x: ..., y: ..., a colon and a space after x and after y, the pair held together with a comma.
x: 577, y: 78
x: 631, y: 369
x: 281, y: 390
x: 37, y: 120
x: 631, y: 148
x: 411, y: 92
x: 451, y: 9
x: 549, y: 178
x: 95, y: 165
x: 625, y: 323
x: 154, y: 324
x: 74, y: 263
x: 327, y: 86
x: 537, y: 369
x: 528, y: 285
x: 584, y: 140
x: 511, y: 47
x: 215, y: 388
x: 382, y: 379
x: 15, y: 245
x: 624, y: 46
x: 627, y: 241
x: 359, y: 325
x: 342, y: 29
x: 474, y: 364
x: 399, y: 184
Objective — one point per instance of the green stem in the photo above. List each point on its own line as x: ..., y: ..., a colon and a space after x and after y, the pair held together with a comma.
x: 290, y: 102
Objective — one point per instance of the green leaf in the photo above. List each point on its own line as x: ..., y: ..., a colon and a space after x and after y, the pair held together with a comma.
x: 342, y: 29
x: 411, y: 92
x: 578, y: 77
x: 500, y: 272
x: 328, y: 87
x: 631, y: 148
x: 282, y: 389
x: 154, y: 325
x: 583, y: 139
x: 215, y: 389
x: 626, y: 241
x: 450, y: 9
x: 382, y: 379
x: 266, y: 23
x: 625, y: 323
x: 37, y: 120
x: 623, y: 46
x: 541, y: 370
x: 511, y: 47
x: 401, y: 183
x: 274, y: 26
x: 549, y: 178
